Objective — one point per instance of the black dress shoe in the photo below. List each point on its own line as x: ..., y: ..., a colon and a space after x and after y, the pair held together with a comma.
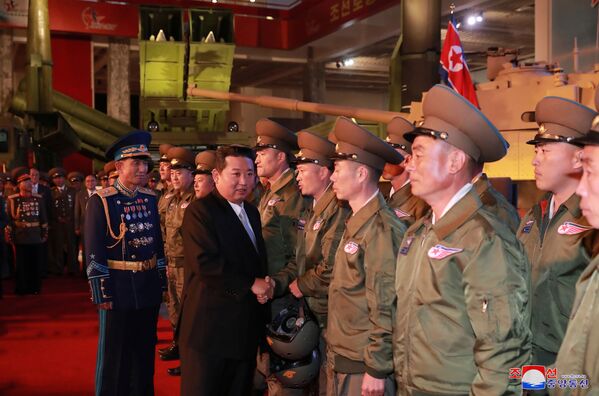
x: 175, y: 371
x: 166, y: 349
x: 171, y: 353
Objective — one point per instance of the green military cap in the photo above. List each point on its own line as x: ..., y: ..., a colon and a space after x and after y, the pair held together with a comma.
x: 452, y: 118
x: 102, y: 175
x: 57, y: 172
x: 181, y: 158
x: 357, y: 144
x: 274, y: 135
x: 561, y: 120
x: 396, y: 130
x: 155, y: 176
x: 205, y: 162
x: 163, y: 149
x: 20, y: 174
x: 314, y: 149
x: 110, y: 169
x: 75, y: 176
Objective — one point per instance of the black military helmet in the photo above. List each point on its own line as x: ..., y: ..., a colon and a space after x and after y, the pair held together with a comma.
x: 293, y: 333
x: 296, y: 374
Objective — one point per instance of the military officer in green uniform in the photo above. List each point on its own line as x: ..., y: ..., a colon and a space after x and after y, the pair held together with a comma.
x: 309, y: 275
x: 203, y: 183
x: 166, y: 185
x: 361, y: 296
x: 559, y: 240
x: 62, y: 225
x: 182, y: 164
x: 406, y: 205
x: 462, y: 281
x: 580, y: 347
x: 281, y: 208
x: 27, y: 230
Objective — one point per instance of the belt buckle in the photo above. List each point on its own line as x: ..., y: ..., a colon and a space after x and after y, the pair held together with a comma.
x: 145, y: 265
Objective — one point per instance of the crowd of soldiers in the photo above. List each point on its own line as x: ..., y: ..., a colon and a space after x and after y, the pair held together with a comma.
x: 437, y: 288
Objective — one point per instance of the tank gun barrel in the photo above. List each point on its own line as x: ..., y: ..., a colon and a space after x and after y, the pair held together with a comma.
x: 298, y: 105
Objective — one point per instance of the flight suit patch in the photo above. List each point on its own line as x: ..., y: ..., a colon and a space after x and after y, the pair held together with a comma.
x: 317, y: 225
x: 439, y: 252
x: 273, y: 201
x: 351, y: 247
x: 400, y: 213
x: 406, y: 246
x: 527, y: 227
x: 569, y: 228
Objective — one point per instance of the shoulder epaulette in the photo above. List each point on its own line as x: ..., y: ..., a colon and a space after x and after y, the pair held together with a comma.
x: 148, y: 191
x: 36, y: 195
x: 13, y: 196
x: 107, y: 192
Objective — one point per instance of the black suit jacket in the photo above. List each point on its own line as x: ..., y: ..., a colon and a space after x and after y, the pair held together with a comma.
x: 80, y: 204
x: 44, y: 191
x: 220, y: 315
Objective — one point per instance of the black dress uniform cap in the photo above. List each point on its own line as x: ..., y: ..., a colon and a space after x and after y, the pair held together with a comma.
x: 57, y: 172
x: 162, y: 150
x: 314, y: 149
x: 21, y: 173
x: 205, y: 162
x: 271, y: 134
x: 181, y: 158
x: 358, y: 144
x: 75, y: 176
x: 396, y: 130
x: 135, y: 144
x: 452, y: 118
x: 561, y: 120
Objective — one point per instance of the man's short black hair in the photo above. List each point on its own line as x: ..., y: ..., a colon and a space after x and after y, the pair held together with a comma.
x: 231, y: 151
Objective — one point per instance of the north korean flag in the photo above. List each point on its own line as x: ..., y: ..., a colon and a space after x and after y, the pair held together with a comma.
x: 454, y: 70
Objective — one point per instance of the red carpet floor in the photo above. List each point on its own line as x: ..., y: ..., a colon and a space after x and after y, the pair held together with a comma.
x: 48, y: 342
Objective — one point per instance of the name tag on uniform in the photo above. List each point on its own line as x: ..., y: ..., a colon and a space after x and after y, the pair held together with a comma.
x: 527, y: 227
x: 301, y: 223
x: 400, y: 213
x: 406, y: 246
x: 317, y: 225
x: 439, y: 252
x: 569, y: 228
x: 351, y: 247
x: 273, y: 201
x: 184, y: 205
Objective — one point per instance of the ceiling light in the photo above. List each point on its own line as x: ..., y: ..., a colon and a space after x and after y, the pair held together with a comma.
x: 471, y: 20
x: 349, y: 62
x: 479, y: 18
x: 270, y: 18
x: 252, y: 1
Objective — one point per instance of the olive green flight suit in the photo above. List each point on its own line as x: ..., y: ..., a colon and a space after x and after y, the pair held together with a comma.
x: 407, y: 206
x: 496, y: 203
x: 282, y: 209
x: 361, y: 296
x: 462, y: 318
x: 173, y: 249
x: 315, y: 256
x: 580, y: 347
x: 558, y: 250
x: 165, y: 197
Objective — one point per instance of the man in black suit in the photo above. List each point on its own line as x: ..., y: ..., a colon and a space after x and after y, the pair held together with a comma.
x: 80, y: 204
x: 225, y: 261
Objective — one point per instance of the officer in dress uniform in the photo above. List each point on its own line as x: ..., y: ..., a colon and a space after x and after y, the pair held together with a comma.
x: 360, y: 294
x: 580, y: 347
x: 62, y: 225
x: 309, y: 275
x: 462, y: 280
x: 27, y: 229
x: 559, y: 241
x: 182, y: 164
x: 281, y: 208
x: 406, y: 205
x: 126, y: 271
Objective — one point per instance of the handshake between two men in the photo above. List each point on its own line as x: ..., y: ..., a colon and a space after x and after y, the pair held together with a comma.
x: 264, y: 289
